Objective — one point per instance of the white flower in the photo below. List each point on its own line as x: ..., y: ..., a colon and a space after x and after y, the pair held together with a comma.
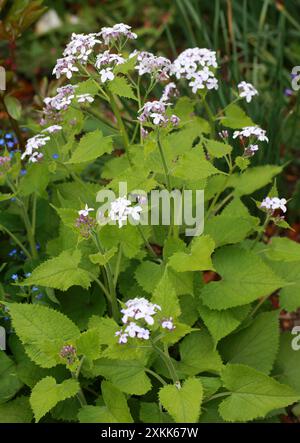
x: 107, y: 58
x: 247, y: 91
x: 65, y: 66
x: 106, y: 74
x: 85, y: 211
x: 249, y: 131
x: 33, y: 144
x: 35, y: 157
x: 139, y: 308
x: 148, y: 63
x: 169, y: 91
x: 117, y: 31
x: 81, y: 46
x: 156, y: 112
x: 52, y: 129
x: 253, y: 148
x: 83, y: 98
x: 167, y: 323
x: 121, y: 209
x: 271, y: 204
x: 123, y: 338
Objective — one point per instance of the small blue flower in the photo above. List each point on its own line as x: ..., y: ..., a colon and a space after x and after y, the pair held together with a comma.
x: 10, y: 144
x: 39, y: 296
x: 23, y: 172
x: 37, y: 246
x: 55, y: 156
x: 11, y: 154
x: 6, y: 318
x: 14, y: 277
x: 8, y: 135
x: 28, y: 274
x: 2, y: 141
x: 34, y: 288
x: 12, y: 252
x: 288, y: 92
x: 13, y: 199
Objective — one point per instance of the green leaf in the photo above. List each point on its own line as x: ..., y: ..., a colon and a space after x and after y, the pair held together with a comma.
x: 245, y: 278
x: 253, y: 394
x: 9, y: 381
x: 235, y: 117
x: 128, y: 65
x: 121, y: 87
x: 221, y: 323
x: 106, y: 328
x: 148, y: 274
x: 60, y: 272
x: 90, y: 147
x: 43, y: 331
x: 288, y: 362
x: 217, y: 149
x: 35, y: 180
x: 127, y: 375
x: 256, y: 345
x: 192, y: 167
x: 199, y: 257
x: 253, y: 179
x: 184, y: 403
x: 13, y: 106
x: 16, y: 411
x: 102, y: 259
x: 47, y: 393
x: 116, y: 402
x: 95, y: 414
x: 283, y: 249
x: 198, y: 354
x: 88, y: 344
x: 151, y: 413
x: 165, y: 296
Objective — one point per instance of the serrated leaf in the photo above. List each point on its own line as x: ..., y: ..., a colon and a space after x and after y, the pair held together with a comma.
x: 217, y: 149
x: 47, y: 393
x: 253, y: 179
x: 256, y: 345
x: 199, y: 257
x: 192, y: 167
x: 88, y: 344
x: 245, y: 278
x: 102, y: 259
x: 16, y: 411
x: 283, y: 249
x: 90, y: 147
x: 253, y: 394
x: 127, y: 375
x: 235, y: 117
x: 121, y: 87
x: 10, y: 383
x: 288, y: 362
x: 148, y: 274
x: 183, y: 404
x: 221, y: 323
x: 43, y: 331
x: 60, y: 272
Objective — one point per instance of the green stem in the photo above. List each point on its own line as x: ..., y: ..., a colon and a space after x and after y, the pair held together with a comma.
x: 154, y: 374
x: 147, y: 244
x: 121, y: 125
x: 164, y: 163
x: 166, y: 358
x: 118, y: 264
x: 16, y: 240
x: 80, y: 395
x: 210, y: 118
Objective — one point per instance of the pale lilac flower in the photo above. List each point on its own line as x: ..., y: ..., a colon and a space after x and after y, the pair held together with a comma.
x: 252, y: 131
x: 118, y: 31
x: 85, y: 98
x: 108, y: 58
x: 273, y: 203
x: 140, y: 308
x: 65, y: 66
x: 85, y: 211
x: 123, y: 338
x: 52, y: 129
x: 81, y: 46
x: 167, y: 323
x: 106, y: 74
x: 33, y: 144
x: 121, y: 209
x: 247, y: 91
x: 148, y: 63
x: 170, y: 90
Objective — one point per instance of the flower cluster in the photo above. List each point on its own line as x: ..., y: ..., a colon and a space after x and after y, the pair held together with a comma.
x: 137, y: 309
x: 68, y: 352
x: 121, y: 209
x: 148, y: 63
x: 140, y: 309
x: 270, y: 204
x: 84, y: 222
x: 251, y: 131
x: 117, y: 32
x: 61, y: 101
x: 155, y: 112
x: 105, y: 63
x: 33, y: 145
x: 76, y: 51
x: 247, y: 91
x: 196, y: 65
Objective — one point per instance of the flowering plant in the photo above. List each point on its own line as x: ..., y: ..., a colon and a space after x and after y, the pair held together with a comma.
x: 174, y: 328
